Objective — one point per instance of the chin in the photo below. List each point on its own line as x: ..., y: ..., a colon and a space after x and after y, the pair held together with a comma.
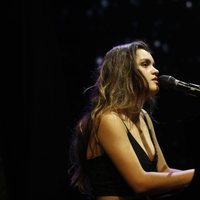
x: 154, y: 90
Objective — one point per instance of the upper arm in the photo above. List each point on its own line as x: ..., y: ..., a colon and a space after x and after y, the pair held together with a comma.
x: 114, y: 139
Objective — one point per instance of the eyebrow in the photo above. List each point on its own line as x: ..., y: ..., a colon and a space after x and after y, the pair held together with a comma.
x: 146, y: 59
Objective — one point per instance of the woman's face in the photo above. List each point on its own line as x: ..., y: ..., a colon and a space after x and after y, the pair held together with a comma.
x: 146, y: 63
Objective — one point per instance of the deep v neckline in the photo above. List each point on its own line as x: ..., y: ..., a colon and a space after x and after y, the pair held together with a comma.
x: 138, y: 144
x: 144, y: 152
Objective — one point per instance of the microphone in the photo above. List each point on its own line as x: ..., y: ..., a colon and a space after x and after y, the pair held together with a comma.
x: 169, y: 82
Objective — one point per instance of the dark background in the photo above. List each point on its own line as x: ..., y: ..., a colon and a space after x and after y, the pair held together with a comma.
x: 49, y: 52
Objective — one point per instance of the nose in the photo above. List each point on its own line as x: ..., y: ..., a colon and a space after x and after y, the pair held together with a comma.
x: 155, y: 70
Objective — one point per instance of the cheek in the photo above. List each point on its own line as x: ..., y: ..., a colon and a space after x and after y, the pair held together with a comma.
x: 144, y: 72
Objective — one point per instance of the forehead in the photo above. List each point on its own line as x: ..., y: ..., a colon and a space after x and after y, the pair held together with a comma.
x: 142, y: 54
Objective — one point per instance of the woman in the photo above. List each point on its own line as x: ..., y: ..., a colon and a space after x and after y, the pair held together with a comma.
x: 115, y: 154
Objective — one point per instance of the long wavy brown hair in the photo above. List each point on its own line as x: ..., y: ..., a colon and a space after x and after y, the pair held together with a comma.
x: 119, y: 87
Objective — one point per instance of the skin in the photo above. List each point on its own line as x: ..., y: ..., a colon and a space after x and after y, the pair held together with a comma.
x: 146, y: 63
x: 113, y: 138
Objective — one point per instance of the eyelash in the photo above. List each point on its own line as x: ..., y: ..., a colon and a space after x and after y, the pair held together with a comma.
x: 145, y: 64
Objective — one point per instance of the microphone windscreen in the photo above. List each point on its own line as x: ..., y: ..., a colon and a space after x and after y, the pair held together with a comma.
x: 167, y: 82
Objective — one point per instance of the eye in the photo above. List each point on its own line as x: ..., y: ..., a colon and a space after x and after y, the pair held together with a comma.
x: 145, y: 63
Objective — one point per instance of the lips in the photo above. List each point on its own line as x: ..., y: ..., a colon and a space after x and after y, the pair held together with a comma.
x: 155, y: 80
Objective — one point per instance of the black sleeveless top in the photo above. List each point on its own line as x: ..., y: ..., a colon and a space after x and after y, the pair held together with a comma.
x: 105, y: 178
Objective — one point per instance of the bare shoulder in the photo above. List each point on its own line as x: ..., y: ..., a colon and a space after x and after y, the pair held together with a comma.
x: 146, y: 114
x: 110, y: 124
x: 109, y: 117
